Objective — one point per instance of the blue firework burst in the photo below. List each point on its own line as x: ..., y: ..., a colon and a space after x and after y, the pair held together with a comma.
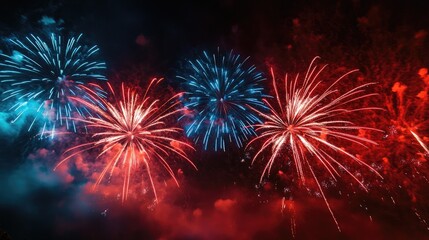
x: 221, y: 93
x: 41, y: 73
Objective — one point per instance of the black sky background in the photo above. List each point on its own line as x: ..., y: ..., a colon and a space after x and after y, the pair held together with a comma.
x: 175, y: 28
x: 36, y: 203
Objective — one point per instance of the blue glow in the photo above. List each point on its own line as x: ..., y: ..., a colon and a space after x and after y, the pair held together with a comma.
x: 17, y: 56
x: 220, y: 92
x: 47, y: 20
x: 49, y: 71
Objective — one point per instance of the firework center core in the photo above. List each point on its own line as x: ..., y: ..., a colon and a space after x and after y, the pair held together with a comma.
x: 291, y: 128
x: 130, y: 135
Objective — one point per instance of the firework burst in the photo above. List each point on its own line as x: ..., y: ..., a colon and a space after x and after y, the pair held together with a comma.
x: 221, y: 91
x: 48, y: 72
x: 134, y: 130
x: 306, y: 121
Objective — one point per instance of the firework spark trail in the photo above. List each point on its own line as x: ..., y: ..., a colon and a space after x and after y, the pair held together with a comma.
x: 138, y: 127
x: 49, y: 72
x: 289, y: 205
x: 219, y: 90
x: 420, y: 141
x: 306, y: 121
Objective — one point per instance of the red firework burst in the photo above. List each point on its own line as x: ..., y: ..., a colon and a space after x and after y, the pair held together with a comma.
x: 306, y: 121
x: 135, y: 132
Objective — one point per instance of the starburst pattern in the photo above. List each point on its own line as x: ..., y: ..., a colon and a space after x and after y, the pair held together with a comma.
x: 221, y: 91
x: 48, y: 72
x: 306, y: 120
x: 135, y: 132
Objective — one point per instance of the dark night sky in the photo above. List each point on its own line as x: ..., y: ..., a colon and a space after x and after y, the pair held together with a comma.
x: 220, y: 201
